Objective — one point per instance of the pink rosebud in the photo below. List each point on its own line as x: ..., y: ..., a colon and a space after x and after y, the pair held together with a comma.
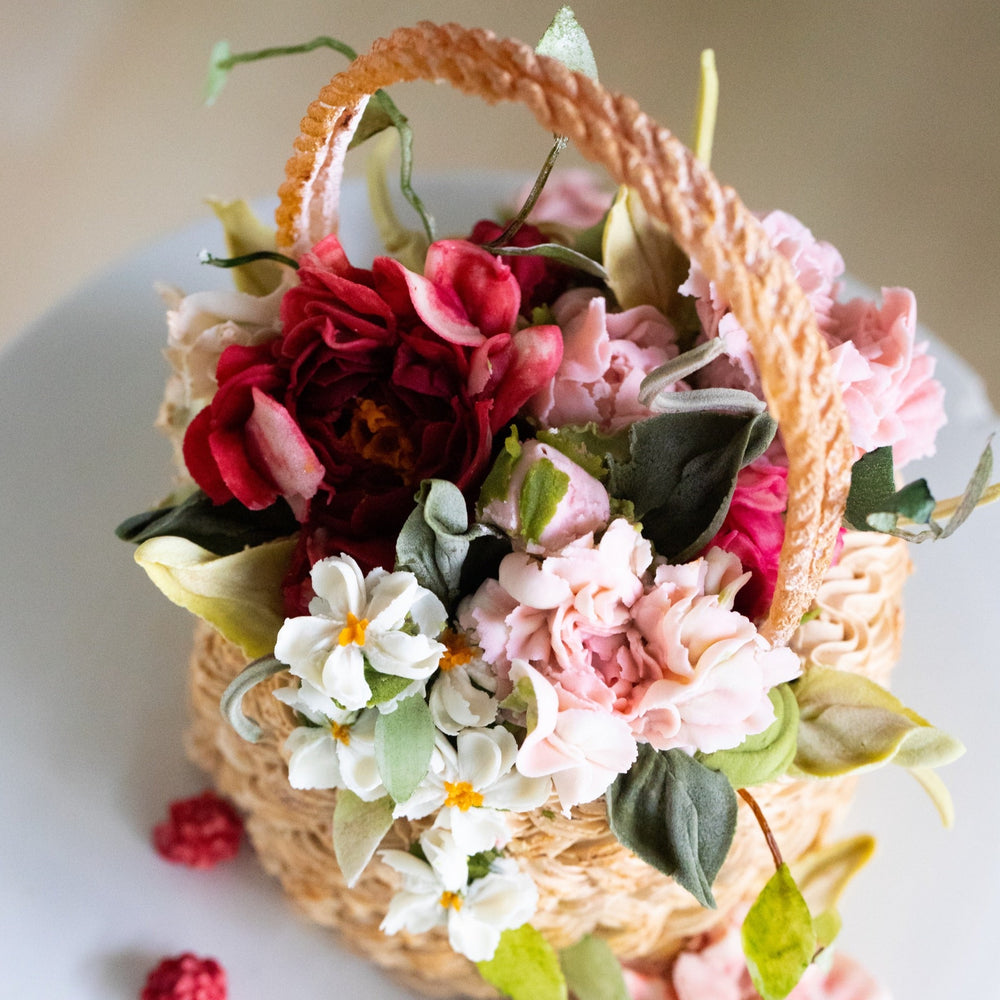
x: 583, y: 505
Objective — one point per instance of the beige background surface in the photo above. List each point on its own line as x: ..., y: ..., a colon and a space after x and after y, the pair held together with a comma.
x: 874, y: 122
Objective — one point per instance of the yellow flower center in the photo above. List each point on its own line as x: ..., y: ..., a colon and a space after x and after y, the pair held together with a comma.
x: 461, y: 795
x: 340, y: 733
x: 378, y: 436
x: 457, y: 652
x: 451, y: 900
x: 353, y: 631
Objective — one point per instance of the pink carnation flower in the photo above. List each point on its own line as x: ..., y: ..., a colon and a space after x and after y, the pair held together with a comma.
x: 605, y: 358
x: 817, y: 266
x: 668, y: 655
x: 574, y: 198
x: 885, y: 377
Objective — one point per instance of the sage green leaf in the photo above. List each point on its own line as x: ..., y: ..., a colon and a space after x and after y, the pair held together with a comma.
x: 245, y: 234
x: 681, y: 473
x: 224, y: 529
x: 679, y: 368
x: 374, y: 121
x: 848, y: 723
x: 434, y: 541
x: 566, y: 41
x: 231, y: 702
x: 874, y: 503
x: 404, y: 740
x: 644, y: 264
x: 384, y: 687
x: 826, y: 927
x: 779, y: 939
x: 543, y: 488
x: 239, y: 594
x: 592, y: 971
x: 677, y: 815
x: 974, y: 492
x: 358, y: 829
x: 766, y: 755
x: 218, y: 70
x: 557, y: 252
x: 525, y: 967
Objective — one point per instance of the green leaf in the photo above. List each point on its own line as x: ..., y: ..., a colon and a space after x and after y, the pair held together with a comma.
x: 767, y: 755
x: 973, y: 493
x: 434, y: 541
x: 557, y: 252
x: 823, y: 874
x: 677, y: 815
x: 218, y: 70
x: 566, y: 41
x: 497, y: 482
x: 644, y: 264
x: 231, y: 702
x: 592, y: 971
x: 404, y: 740
x: 384, y: 687
x: 525, y: 967
x: 223, y: 529
x: 358, y: 829
x: 239, y: 594
x: 588, y: 446
x: 779, y: 939
x: 848, y: 723
x: 543, y: 488
x: 681, y: 473
x: 245, y: 235
x: 873, y: 494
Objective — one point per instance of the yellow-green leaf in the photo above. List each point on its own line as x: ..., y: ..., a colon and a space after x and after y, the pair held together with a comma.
x: 246, y: 234
x: 358, y: 829
x: 239, y: 594
x: 592, y: 971
x: 525, y: 967
x: 823, y: 874
x: 644, y: 264
x: 779, y: 938
x: 408, y: 246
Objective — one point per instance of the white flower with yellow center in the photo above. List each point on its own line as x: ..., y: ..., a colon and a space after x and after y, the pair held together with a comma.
x: 385, y: 622
x: 437, y: 892
x: 337, y: 751
x: 472, y: 787
x: 462, y: 696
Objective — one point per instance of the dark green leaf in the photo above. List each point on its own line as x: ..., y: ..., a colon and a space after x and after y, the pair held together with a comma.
x: 554, y: 251
x: 677, y: 815
x: 592, y: 971
x: 525, y: 967
x: 681, y: 473
x: 404, y: 740
x: 223, y: 529
x: 779, y: 939
x: 873, y: 498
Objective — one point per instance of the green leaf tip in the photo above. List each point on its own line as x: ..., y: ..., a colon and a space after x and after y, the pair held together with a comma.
x: 219, y: 65
x: 525, y: 967
x: 566, y: 41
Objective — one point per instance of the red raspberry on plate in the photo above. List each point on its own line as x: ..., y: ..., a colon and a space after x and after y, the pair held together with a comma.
x: 186, y: 977
x: 201, y: 831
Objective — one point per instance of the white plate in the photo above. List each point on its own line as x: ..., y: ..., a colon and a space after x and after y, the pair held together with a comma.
x: 93, y: 657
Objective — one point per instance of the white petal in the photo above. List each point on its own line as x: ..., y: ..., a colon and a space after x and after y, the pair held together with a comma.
x: 314, y: 762
x: 302, y: 640
x: 481, y: 756
x: 416, y: 912
x: 390, y: 600
x: 476, y: 829
x: 428, y: 613
x: 343, y: 677
x: 518, y: 793
x: 456, y: 704
x: 402, y: 655
x: 448, y: 859
x: 470, y: 937
x: 339, y: 583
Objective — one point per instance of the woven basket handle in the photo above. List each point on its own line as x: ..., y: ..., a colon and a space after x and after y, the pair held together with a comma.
x: 708, y: 221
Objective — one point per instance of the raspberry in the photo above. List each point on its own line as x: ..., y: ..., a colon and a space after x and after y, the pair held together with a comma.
x: 201, y: 831
x: 186, y: 977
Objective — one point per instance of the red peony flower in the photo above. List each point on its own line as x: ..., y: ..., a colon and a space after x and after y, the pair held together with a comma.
x: 201, y: 831
x: 186, y: 977
x: 381, y: 379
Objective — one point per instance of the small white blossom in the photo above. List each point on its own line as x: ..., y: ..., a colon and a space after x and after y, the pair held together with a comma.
x: 471, y: 789
x: 386, y: 621
x: 437, y: 892
x: 462, y: 696
x: 338, y: 751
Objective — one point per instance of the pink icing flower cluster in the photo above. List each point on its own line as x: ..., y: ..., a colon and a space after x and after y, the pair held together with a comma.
x: 619, y: 648
x: 886, y: 377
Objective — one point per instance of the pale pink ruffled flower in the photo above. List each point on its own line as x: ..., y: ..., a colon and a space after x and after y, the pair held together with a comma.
x: 817, y: 266
x: 886, y: 378
x: 575, y: 198
x: 606, y: 356
x: 668, y: 655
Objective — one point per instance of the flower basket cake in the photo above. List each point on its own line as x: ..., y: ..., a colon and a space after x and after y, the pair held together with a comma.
x: 550, y: 575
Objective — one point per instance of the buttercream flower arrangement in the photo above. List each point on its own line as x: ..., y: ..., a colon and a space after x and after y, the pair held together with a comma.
x: 505, y: 525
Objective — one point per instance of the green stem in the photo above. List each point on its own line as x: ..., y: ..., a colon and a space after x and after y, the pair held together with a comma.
x: 231, y: 703
x: 772, y: 844
x: 247, y: 258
